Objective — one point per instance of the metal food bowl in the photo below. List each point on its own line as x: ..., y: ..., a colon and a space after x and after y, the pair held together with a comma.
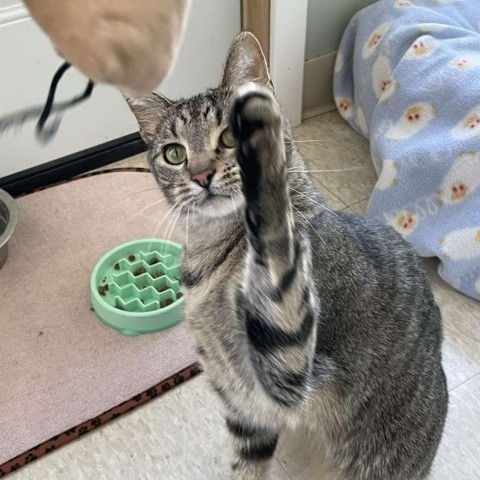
x: 8, y: 222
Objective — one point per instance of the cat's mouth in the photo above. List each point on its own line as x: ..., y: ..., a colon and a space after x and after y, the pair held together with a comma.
x: 214, y: 204
x: 211, y: 195
x: 215, y: 193
x: 213, y: 199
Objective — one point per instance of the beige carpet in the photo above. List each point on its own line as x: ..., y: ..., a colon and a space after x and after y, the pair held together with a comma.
x: 59, y: 365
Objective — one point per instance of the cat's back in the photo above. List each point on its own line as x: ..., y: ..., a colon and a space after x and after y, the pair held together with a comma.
x: 381, y: 327
x: 369, y: 262
x: 373, y: 288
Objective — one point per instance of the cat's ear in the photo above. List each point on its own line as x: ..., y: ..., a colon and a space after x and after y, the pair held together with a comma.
x: 149, y: 111
x: 245, y: 63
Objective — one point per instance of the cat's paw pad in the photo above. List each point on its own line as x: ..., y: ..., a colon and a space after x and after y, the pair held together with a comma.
x: 254, y: 108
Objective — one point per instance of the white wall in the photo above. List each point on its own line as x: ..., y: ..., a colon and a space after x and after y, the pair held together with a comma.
x: 288, y: 21
x: 326, y: 22
x: 27, y: 64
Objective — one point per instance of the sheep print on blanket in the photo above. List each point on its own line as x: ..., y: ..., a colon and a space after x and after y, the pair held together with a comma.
x: 407, y: 77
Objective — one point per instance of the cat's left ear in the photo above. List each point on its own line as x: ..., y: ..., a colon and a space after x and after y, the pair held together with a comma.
x: 246, y: 63
x: 149, y: 111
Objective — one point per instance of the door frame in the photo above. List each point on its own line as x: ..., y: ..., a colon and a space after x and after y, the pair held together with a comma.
x: 281, y: 27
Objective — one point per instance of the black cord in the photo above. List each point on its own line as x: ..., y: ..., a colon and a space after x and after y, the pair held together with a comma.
x: 46, y: 132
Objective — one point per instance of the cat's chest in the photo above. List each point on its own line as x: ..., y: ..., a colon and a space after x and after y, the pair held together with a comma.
x: 217, y: 330
x: 213, y: 321
x: 209, y: 304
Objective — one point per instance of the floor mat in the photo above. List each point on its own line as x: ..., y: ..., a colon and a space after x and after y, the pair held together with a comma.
x: 62, y: 372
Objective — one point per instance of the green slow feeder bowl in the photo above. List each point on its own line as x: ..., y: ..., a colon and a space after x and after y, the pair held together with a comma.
x: 135, y: 288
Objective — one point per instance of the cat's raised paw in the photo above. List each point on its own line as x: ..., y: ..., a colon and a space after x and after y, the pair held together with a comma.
x: 256, y: 123
x: 254, y: 108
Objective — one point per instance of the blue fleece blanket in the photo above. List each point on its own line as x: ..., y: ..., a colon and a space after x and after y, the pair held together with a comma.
x: 407, y: 77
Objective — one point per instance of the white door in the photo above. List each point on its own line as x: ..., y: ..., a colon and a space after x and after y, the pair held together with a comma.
x: 27, y: 64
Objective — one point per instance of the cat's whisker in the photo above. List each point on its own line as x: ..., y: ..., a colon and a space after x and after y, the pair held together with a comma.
x: 237, y: 191
x: 146, y: 208
x: 236, y: 211
x: 235, y: 187
x: 186, y: 232
x: 308, y: 221
x: 174, y: 224
x: 325, y: 170
x: 233, y: 203
x: 173, y: 220
x: 161, y: 222
x: 128, y: 196
x: 306, y: 141
x: 143, y: 191
x: 324, y: 207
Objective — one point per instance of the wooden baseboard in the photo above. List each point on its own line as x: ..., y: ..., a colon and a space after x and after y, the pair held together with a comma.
x: 320, y: 110
x: 318, y: 85
x: 72, y: 165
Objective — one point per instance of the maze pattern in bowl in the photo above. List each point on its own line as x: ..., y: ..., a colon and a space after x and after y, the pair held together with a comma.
x: 135, y: 287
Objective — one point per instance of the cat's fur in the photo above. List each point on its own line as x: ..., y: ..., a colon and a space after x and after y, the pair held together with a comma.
x: 302, y: 317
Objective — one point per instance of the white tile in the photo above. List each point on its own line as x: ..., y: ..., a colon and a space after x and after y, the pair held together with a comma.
x: 303, y: 459
x: 337, y: 158
x: 458, y: 457
x: 360, y: 208
x: 461, y: 325
x: 179, y: 436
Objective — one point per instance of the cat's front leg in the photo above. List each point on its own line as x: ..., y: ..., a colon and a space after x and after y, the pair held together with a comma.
x: 256, y: 122
x: 253, y: 448
x: 276, y: 300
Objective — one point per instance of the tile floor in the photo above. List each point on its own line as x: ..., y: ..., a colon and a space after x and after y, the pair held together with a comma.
x: 181, y: 435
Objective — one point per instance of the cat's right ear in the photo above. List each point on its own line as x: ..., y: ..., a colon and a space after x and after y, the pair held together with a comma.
x: 246, y: 63
x: 149, y: 111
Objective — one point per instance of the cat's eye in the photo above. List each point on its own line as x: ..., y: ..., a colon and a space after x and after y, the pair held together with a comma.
x: 175, y: 154
x: 227, y: 138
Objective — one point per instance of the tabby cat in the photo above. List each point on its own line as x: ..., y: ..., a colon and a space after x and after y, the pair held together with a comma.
x: 303, y: 317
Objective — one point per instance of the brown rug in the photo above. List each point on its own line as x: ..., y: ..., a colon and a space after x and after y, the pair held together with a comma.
x: 62, y: 372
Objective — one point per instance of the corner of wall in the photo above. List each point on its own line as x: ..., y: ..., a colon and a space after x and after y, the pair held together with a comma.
x: 318, y: 85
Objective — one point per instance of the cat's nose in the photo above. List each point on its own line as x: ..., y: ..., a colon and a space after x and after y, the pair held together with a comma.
x: 203, y: 178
